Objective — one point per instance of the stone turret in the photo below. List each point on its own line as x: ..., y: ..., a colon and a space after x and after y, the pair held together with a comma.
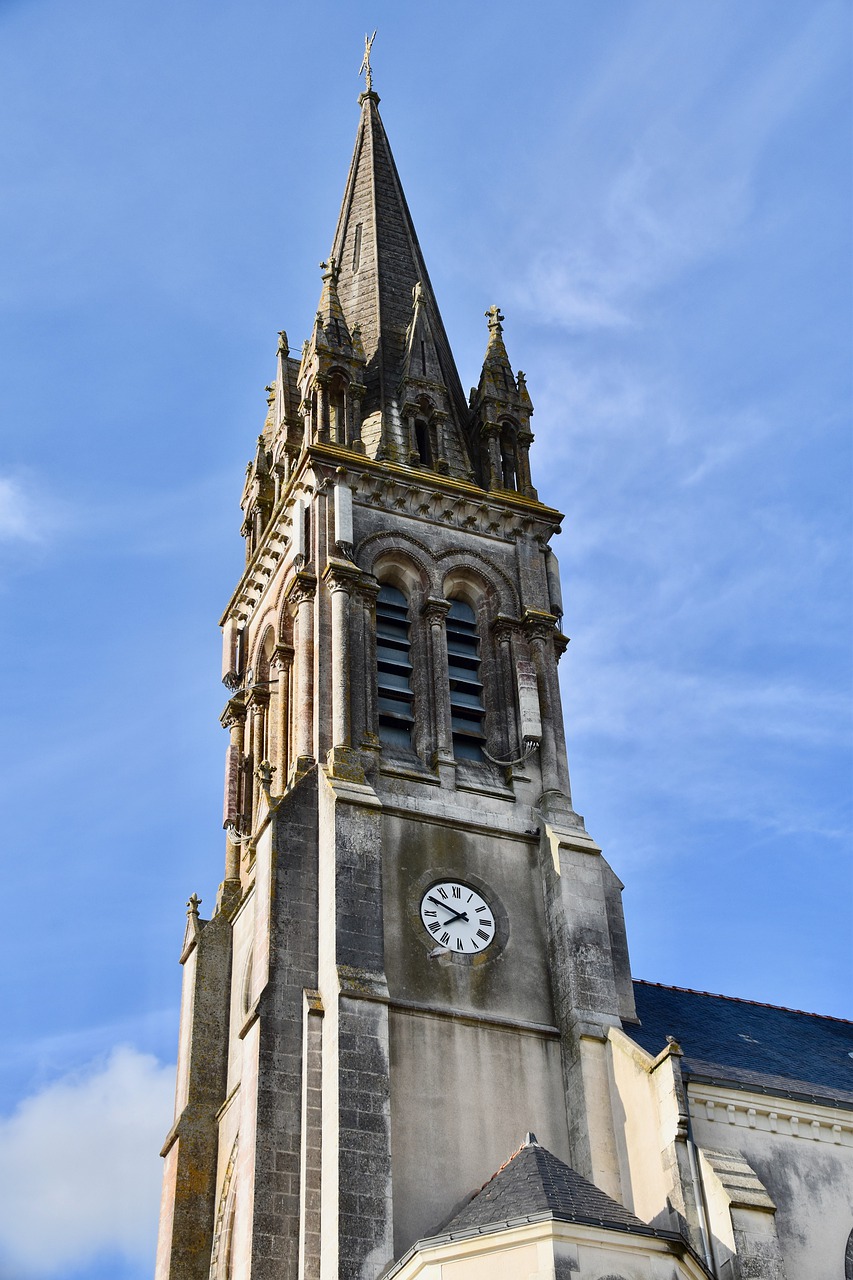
x: 500, y: 411
x: 332, y: 370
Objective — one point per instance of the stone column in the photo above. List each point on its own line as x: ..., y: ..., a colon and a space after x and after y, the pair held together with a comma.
x: 414, y: 454
x: 435, y: 612
x: 258, y: 707
x: 492, y: 434
x: 440, y: 462
x: 356, y: 394
x: 524, y: 440
x: 504, y: 629
x: 368, y: 591
x: 282, y: 665
x: 321, y: 428
x: 234, y: 720
x: 542, y: 633
x: 301, y: 594
x: 341, y: 578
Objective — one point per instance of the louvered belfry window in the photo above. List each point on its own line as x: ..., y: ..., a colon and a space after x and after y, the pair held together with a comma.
x: 466, y: 691
x: 394, y: 668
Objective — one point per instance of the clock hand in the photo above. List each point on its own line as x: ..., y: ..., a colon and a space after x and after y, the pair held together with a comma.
x: 457, y: 915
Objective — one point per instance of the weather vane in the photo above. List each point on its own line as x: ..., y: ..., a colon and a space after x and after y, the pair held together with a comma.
x: 365, y: 62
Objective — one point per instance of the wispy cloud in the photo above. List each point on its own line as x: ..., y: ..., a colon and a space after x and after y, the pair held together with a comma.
x: 19, y: 517
x: 683, y: 190
x: 80, y: 1170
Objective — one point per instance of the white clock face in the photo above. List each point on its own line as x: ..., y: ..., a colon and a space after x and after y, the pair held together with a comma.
x: 458, y: 917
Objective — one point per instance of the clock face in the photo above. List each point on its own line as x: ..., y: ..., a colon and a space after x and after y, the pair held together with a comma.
x: 458, y: 917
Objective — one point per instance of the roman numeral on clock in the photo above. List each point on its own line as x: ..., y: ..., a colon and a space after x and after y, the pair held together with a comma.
x: 481, y: 933
x: 445, y: 938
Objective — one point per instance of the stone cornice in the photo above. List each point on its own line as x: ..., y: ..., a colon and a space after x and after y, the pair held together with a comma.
x: 774, y: 1113
x: 427, y: 496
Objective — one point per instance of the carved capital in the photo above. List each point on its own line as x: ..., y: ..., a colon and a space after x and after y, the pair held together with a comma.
x: 258, y: 701
x: 504, y: 628
x: 368, y: 589
x: 341, y: 575
x: 282, y: 657
x: 302, y: 587
x: 435, y: 611
x: 539, y: 625
x: 234, y: 713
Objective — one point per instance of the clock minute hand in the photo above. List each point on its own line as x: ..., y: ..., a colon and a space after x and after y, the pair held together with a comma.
x: 457, y: 915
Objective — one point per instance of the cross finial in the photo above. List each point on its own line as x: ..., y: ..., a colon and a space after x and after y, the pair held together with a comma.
x: 193, y: 904
x: 365, y: 62
x: 494, y: 317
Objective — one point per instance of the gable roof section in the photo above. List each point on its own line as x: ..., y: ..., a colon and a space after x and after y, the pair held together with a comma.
x: 760, y: 1046
x: 535, y: 1183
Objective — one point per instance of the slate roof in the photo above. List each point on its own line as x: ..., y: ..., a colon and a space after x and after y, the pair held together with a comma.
x: 533, y: 1184
x: 759, y: 1046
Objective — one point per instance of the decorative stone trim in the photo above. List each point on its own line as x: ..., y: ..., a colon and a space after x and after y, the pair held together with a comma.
x: 772, y: 1115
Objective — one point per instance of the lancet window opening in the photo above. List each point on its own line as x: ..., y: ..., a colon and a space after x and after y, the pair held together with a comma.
x: 509, y: 462
x: 422, y: 442
x: 467, y: 712
x: 337, y: 411
x: 394, y: 669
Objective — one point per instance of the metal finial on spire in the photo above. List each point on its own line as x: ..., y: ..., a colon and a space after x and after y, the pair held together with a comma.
x: 365, y: 62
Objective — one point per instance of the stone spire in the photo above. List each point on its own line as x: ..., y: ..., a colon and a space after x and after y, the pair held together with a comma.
x: 379, y: 267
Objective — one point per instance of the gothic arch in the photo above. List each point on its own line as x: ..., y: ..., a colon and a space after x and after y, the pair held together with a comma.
x: 398, y: 569
x: 263, y: 648
x: 397, y: 547
x: 494, y: 578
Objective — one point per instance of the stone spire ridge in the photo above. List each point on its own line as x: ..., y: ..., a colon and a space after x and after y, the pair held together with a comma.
x: 380, y: 264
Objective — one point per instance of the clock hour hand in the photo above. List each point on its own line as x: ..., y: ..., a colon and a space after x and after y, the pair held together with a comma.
x: 456, y: 915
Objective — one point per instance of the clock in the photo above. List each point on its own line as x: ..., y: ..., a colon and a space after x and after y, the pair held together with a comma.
x: 458, y: 917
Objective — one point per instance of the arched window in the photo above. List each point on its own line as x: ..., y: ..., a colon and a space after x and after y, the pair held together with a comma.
x: 394, y: 668
x: 466, y: 691
x: 337, y: 411
x: 508, y: 461
x: 423, y: 443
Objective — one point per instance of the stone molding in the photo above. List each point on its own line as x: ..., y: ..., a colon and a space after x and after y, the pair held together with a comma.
x: 771, y: 1114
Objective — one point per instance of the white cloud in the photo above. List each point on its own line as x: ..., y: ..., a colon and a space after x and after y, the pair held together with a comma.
x: 80, y: 1168
x: 18, y: 521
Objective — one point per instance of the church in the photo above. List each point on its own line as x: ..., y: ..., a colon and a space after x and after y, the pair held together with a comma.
x: 410, y: 1041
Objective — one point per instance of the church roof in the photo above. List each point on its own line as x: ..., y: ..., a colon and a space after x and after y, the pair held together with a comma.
x: 779, y: 1051
x: 534, y: 1183
x: 380, y: 264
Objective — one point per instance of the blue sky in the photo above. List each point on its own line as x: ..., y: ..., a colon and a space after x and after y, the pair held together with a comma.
x: 658, y: 196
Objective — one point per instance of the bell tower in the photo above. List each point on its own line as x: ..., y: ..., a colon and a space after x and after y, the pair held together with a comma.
x: 417, y: 951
